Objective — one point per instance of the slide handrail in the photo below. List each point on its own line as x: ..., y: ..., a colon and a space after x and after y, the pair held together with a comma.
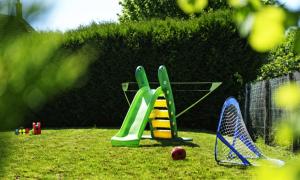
x: 166, y: 88
x: 141, y: 77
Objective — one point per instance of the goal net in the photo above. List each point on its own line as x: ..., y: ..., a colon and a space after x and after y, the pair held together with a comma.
x: 233, y: 142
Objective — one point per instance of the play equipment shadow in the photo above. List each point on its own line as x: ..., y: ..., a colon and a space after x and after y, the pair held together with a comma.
x: 236, y: 166
x: 198, y: 131
x: 170, y: 143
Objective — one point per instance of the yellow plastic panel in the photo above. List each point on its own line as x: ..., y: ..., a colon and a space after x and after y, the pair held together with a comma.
x: 160, y: 103
x: 158, y: 113
x: 161, y: 124
x: 164, y: 134
x: 161, y: 113
x: 152, y: 114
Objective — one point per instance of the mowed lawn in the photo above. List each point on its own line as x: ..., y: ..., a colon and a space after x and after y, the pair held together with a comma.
x: 88, y: 154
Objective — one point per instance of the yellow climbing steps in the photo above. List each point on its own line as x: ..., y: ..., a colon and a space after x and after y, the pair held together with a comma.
x: 163, y: 134
x: 158, y: 113
x: 160, y: 103
x: 160, y: 120
x: 157, y: 123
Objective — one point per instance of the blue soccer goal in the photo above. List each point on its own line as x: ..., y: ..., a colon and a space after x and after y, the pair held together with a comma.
x: 233, y: 142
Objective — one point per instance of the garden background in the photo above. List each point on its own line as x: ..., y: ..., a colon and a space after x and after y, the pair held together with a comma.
x: 73, y: 79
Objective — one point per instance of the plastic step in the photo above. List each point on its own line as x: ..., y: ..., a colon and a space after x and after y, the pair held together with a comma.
x: 159, y: 113
x: 158, y: 123
x: 152, y: 114
x: 161, y: 103
x: 163, y: 134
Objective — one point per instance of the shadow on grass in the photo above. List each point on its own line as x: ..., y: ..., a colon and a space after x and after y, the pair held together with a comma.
x: 229, y: 165
x: 197, y: 131
x: 170, y: 143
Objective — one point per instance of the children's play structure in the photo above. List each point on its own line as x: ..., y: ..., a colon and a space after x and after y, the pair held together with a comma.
x: 153, y: 106
x: 233, y: 142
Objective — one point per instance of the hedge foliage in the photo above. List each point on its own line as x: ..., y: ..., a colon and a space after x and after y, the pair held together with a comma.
x: 281, y: 60
x: 141, y: 10
x: 204, y: 49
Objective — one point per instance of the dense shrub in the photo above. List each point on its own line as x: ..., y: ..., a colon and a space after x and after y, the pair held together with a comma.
x: 141, y: 10
x: 281, y: 60
x: 204, y: 49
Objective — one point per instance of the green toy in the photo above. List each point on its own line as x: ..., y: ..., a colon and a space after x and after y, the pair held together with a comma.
x: 21, y: 131
x: 155, y: 106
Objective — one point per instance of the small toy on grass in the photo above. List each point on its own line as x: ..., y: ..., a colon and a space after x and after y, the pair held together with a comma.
x: 178, y: 153
x: 36, y: 127
x: 20, y: 131
x: 17, y: 131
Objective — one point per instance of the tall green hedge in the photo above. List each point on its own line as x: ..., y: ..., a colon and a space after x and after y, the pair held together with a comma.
x: 204, y: 49
x: 281, y: 60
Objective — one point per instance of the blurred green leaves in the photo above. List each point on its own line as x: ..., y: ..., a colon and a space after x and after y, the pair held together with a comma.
x: 237, y: 3
x: 287, y: 172
x: 268, y: 29
x: 288, y: 96
x: 263, y: 22
x: 33, y: 68
x: 31, y: 12
x: 264, y: 25
x: 192, y: 6
x: 282, y: 60
x: 284, y: 136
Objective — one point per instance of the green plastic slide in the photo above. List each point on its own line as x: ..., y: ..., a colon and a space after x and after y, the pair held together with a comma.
x: 137, y: 116
x: 163, y: 124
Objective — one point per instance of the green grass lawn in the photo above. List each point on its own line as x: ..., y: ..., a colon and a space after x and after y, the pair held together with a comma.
x: 88, y: 154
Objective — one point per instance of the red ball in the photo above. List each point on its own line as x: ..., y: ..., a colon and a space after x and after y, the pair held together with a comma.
x: 178, y: 153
